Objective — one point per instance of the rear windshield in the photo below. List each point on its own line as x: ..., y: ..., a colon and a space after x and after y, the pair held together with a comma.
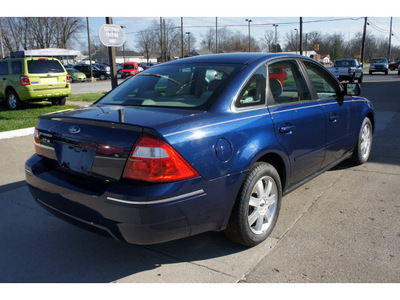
x: 192, y: 86
x: 44, y: 66
x: 344, y: 63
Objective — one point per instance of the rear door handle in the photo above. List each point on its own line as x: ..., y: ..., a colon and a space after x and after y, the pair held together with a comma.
x: 288, y: 128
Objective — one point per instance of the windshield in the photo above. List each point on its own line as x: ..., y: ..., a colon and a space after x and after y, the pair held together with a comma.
x: 379, y: 61
x: 192, y: 86
x: 129, y: 67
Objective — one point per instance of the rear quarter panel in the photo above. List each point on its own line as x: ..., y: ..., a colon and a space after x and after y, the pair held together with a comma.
x: 250, y: 135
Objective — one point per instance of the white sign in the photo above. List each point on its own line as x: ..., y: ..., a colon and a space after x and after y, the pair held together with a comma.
x: 111, y: 35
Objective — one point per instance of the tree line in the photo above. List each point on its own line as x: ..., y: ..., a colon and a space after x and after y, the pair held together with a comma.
x: 27, y: 33
x: 164, y: 39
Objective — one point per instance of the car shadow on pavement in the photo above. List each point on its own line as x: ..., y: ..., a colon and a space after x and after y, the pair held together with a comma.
x: 37, y: 247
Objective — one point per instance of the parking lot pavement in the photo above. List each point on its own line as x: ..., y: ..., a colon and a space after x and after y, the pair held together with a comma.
x: 342, y: 226
x: 348, y: 231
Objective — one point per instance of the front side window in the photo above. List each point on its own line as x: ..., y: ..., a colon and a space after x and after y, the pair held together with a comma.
x: 254, y: 91
x: 324, y: 84
x: 286, y: 84
x: 191, y: 86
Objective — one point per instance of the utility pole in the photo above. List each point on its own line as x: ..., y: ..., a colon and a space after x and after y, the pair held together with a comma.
x: 248, y: 20
x: 161, y: 40
x: 216, y: 34
x: 363, y: 42
x: 276, y: 41
x: 111, y: 58
x: 90, y: 51
x: 390, y: 39
x: 301, y: 36
x: 165, y: 42
x: 1, y: 41
x: 182, y: 55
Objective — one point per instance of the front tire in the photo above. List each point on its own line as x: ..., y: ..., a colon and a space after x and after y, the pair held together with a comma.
x: 363, y: 149
x: 257, y: 207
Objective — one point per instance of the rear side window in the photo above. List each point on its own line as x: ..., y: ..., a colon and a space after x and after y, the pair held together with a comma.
x: 44, y: 66
x: 3, y: 68
x: 16, y: 67
x: 254, y: 92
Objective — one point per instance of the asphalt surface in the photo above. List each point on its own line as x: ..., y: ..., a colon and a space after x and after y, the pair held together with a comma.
x: 342, y: 226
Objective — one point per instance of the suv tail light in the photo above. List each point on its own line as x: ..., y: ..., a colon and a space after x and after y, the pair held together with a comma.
x: 25, y: 80
x: 349, y: 70
x: 68, y: 79
x: 38, y: 148
x: 154, y: 160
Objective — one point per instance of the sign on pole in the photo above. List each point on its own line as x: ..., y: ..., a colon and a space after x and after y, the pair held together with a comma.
x: 111, y: 35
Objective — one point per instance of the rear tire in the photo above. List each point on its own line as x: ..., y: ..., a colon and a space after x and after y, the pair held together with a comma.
x: 59, y: 101
x: 363, y: 149
x: 257, y: 207
x: 13, y: 101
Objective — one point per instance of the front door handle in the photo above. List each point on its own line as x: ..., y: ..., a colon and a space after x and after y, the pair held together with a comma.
x: 333, y: 118
x: 288, y: 128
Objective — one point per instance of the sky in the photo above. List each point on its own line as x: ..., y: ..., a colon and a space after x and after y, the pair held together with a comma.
x: 348, y: 26
x: 339, y: 16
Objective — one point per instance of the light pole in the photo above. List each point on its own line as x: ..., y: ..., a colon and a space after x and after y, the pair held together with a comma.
x: 297, y: 34
x: 188, y: 33
x: 276, y: 41
x: 123, y: 45
x: 249, y: 21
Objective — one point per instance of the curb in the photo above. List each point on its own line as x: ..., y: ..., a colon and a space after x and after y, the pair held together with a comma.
x: 16, y: 133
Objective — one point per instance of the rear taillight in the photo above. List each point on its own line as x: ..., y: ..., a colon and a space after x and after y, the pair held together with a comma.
x: 68, y: 79
x: 38, y: 148
x: 154, y: 160
x: 25, y: 80
x: 349, y: 70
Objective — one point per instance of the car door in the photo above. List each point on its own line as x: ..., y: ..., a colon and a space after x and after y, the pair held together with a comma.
x: 299, y: 121
x: 3, y: 77
x: 338, y: 111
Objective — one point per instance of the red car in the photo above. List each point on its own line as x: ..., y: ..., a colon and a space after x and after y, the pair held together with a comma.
x: 129, y: 69
x: 394, y: 66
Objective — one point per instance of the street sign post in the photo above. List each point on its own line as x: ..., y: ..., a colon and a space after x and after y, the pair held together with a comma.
x: 111, y: 35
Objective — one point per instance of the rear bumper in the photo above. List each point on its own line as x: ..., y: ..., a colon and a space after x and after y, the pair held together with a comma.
x: 28, y: 93
x: 138, y: 213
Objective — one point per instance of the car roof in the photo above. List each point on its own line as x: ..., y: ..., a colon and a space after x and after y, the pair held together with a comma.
x: 240, y: 58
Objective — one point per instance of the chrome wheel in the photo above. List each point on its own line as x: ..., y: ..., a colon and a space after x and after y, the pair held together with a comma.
x: 366, y: 140
x: 262, y: 205
x: 12, y: 101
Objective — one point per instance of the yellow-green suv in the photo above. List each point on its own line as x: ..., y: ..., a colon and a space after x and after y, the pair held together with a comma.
x: 33, y: 79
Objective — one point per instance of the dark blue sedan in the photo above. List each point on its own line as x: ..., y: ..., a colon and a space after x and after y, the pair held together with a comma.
x: 209, y: 143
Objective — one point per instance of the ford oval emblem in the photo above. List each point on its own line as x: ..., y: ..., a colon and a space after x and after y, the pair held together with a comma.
x: 74, y: 129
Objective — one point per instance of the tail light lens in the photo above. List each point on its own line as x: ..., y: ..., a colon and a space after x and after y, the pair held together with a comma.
x: 25, y: 80
x: 154, y: 160
x: 38, y: 148
x: 349, y: 70
x: 68, y: 79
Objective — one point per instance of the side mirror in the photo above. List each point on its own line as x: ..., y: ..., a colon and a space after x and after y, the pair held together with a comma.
x: 352, y: 89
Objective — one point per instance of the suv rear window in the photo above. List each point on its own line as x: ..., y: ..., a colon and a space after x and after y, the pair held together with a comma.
x: 44, y: 66
x: 129, y: 67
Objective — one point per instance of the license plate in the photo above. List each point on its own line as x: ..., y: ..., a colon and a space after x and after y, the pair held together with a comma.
x: 78, y: 159
x: 51, y: 80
